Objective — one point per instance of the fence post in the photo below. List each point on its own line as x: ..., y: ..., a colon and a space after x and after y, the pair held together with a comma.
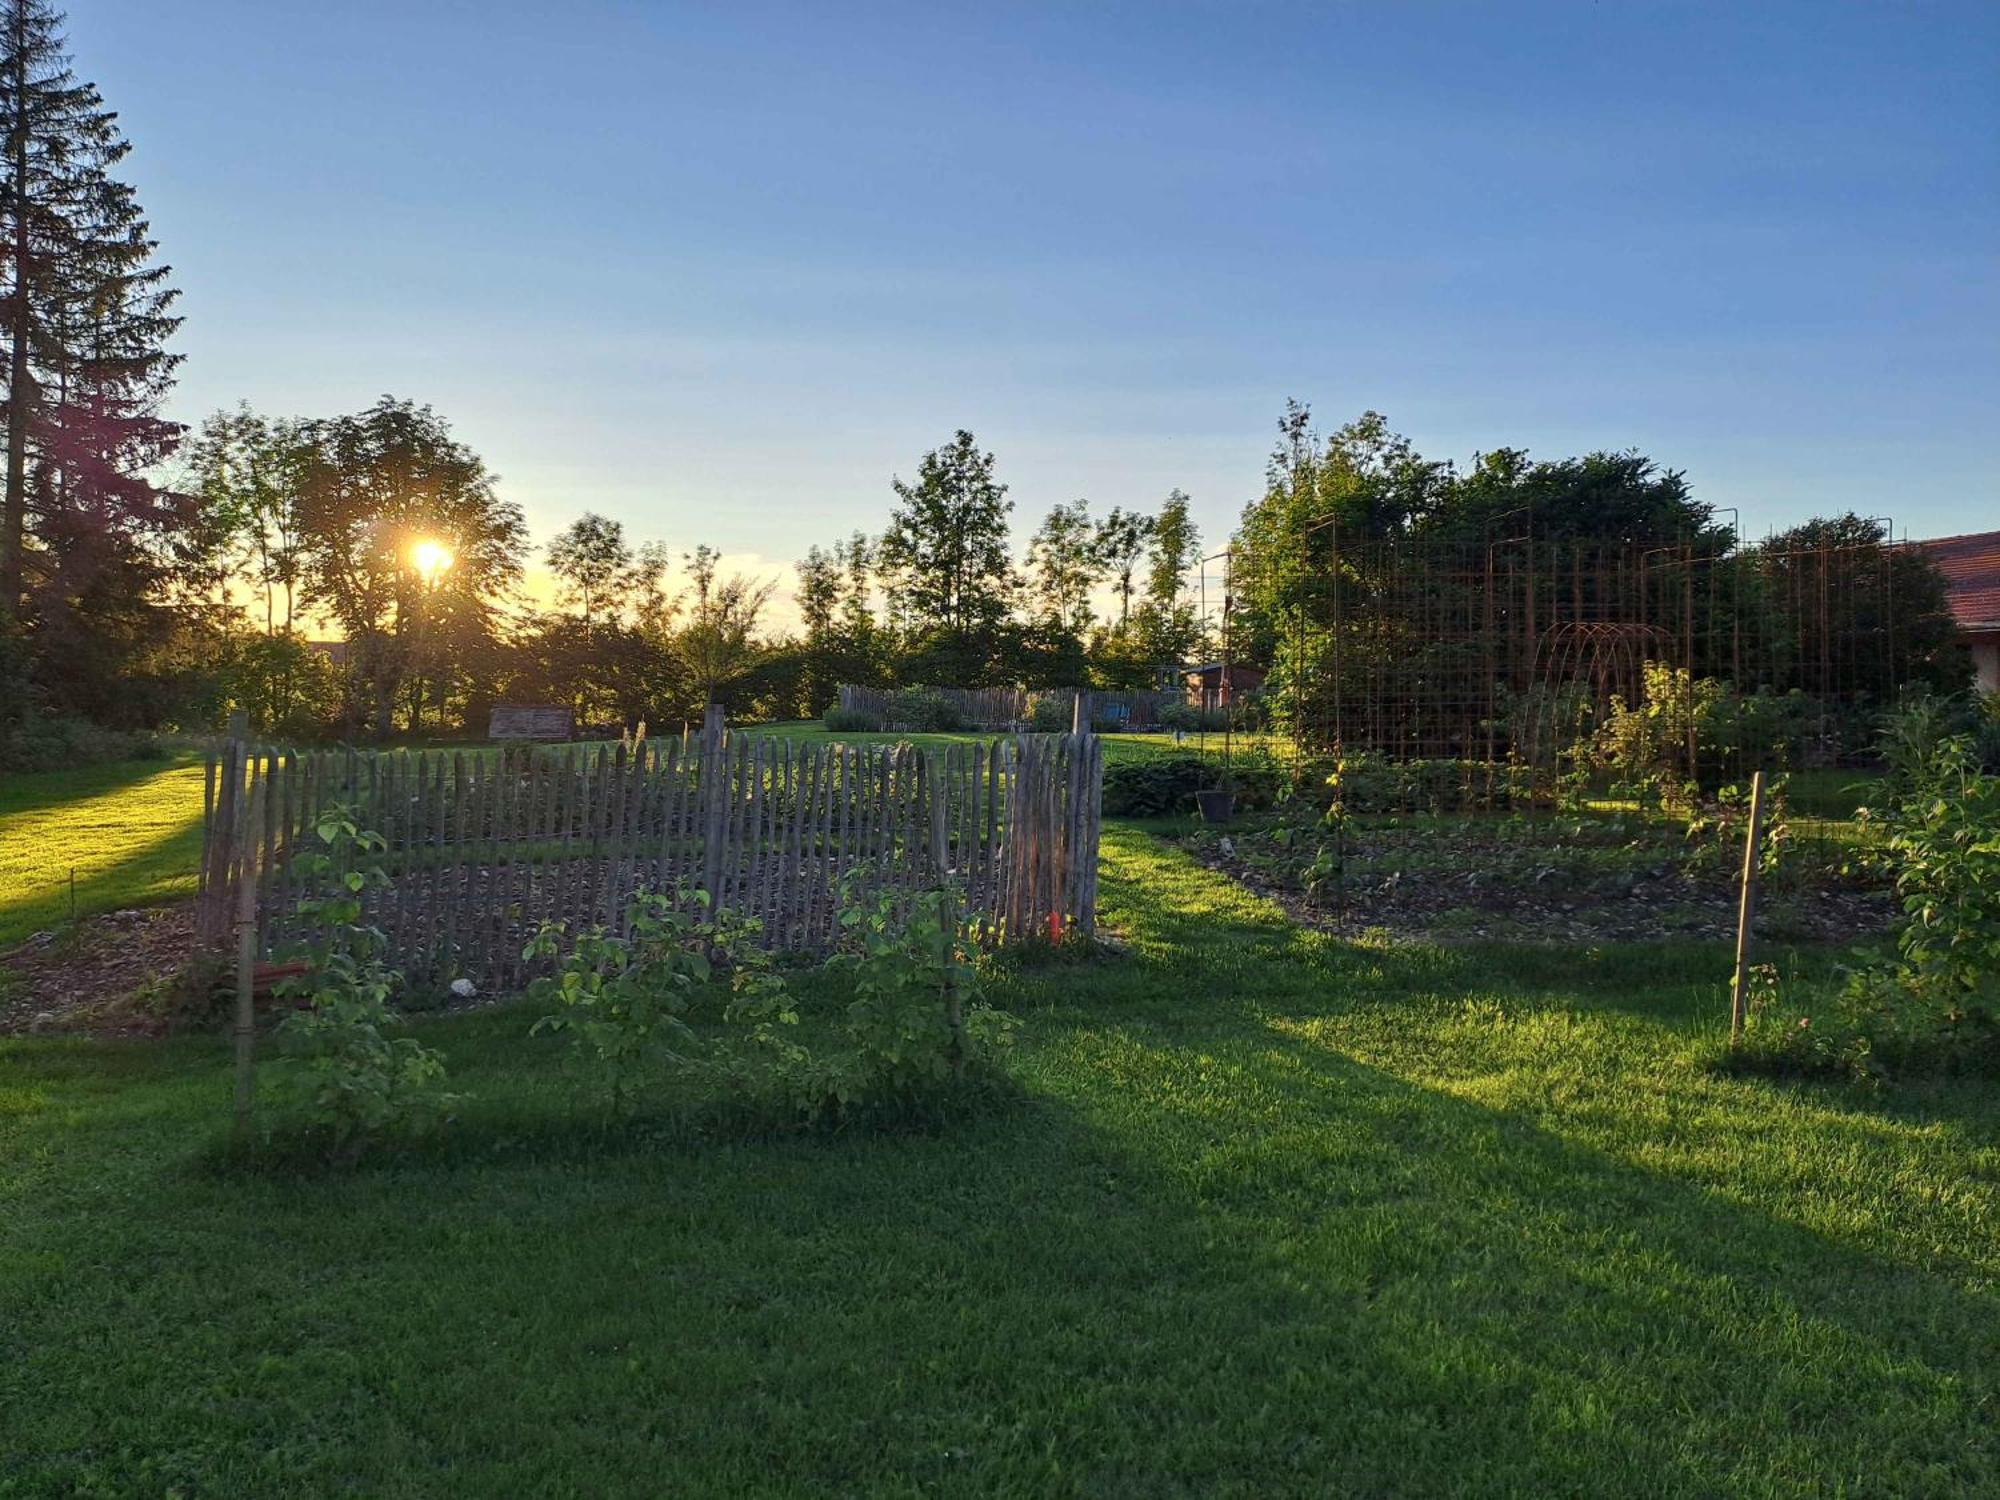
x: 937, y: 788
x: 714, y: 802
x: 1746, y: 910
x: 251, y: 805
x: 1079, y: 712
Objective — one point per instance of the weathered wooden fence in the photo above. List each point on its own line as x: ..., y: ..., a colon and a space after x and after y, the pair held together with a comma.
x: 999, y: 709
x: 485, y: 845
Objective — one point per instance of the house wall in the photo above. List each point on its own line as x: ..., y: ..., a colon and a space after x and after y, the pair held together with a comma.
x: 1986, y: 661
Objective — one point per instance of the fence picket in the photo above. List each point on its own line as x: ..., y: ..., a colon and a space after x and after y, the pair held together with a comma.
x: 484, y: 846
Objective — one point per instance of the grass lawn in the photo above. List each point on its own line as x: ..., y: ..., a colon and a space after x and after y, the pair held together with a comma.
x: 1117, y: 747
x: 131, y: 830
x: 1277, y: 1214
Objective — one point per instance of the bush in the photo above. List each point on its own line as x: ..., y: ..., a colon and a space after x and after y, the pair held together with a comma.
x: 343, y: 1073
x: 624, y: 1001
x: 36, y: 742
x: 1363, y: 785
x: 922, y: 711
x: 917, y: 1036
x: 914, y: 1031
x: 840, y: 720
x: 1052, y: 713
x: 1934, y: 1005
x: 1156, y: 786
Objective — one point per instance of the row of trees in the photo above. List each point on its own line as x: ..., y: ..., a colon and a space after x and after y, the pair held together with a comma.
x: 148, y: 579
x: 1424, y: 582
x: 151, y: 577
x: 957, y: 610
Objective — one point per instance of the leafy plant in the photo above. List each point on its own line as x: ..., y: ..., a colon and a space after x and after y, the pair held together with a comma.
x: 343, y: 1068
x: 624, y: 1000
x: 1934, y: 1005
x: 917, y: 1023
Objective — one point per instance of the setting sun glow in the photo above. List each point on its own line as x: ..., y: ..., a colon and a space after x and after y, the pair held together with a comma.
x: 431, y: 559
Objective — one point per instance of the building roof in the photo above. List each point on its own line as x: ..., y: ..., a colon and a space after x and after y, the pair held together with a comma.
x: 1971, y: 568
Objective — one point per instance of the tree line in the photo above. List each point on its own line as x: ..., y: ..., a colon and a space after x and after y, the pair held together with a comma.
x: 155, y: 577
x: 384, y: 528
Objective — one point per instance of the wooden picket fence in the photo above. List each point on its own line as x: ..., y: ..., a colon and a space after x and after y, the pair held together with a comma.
x: 1000, y: 709
x: 484, y: 845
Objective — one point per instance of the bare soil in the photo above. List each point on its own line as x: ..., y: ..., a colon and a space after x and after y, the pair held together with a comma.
x: 107, y: 976
x: 1456, y: 906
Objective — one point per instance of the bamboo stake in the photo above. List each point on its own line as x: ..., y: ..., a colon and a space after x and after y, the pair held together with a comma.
x: 1746, y: 912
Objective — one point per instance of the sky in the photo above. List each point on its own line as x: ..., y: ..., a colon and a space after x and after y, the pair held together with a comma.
x: 721, y: 271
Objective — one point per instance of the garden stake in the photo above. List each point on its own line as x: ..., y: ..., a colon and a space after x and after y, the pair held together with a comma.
x: 246, y: 965
x: 1746, y: 908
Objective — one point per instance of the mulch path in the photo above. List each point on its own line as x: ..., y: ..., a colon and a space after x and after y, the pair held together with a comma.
x: 95, y: 978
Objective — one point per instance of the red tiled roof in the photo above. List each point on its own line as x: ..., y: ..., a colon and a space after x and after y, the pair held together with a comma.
x: 1971, y: 568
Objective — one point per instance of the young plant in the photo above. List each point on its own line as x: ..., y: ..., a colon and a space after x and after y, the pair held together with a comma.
x: 624, y: 1001
x: 343, y: 1069
x: 1935, y: 1004
x: 917, y: 1027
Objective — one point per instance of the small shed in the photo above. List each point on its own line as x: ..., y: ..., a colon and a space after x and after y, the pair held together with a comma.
x: 530, y: 721
x: 1221, y: 684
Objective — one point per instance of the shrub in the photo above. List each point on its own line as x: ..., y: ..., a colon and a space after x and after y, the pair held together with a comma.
x: 840, y: 720
x: 38, y: 742
x: 922, y: 711
x: 1363, y: 785
x: 1934, y: 1005
x: 1156, y: 786
x: 1182, y: 716
x: 343, y: 1072
x: 917, y: 1031
x: 1052, y: 713
x: 624, y: 1001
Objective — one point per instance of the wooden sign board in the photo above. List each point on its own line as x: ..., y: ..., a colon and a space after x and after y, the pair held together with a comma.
x: 529, y: 721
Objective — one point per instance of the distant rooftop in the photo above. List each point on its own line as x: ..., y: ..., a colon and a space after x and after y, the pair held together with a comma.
x: 1971, y: 568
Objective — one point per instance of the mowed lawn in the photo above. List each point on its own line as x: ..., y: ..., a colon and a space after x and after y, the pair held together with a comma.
x: 130, y: 830
x: 1277, y: 1214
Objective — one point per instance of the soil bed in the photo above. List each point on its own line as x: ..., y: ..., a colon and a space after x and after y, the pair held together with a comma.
x: 1468, y: 881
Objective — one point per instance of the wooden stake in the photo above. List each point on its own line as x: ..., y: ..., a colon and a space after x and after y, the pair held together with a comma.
x: 1746, y: 911
x: 246, y: 963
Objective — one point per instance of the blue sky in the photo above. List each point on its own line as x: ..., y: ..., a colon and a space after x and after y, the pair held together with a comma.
x: 720, y: 271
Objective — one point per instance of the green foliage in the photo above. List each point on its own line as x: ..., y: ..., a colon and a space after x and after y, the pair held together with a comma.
x: 1157, y: 786
x: 1364, y: 785
x: 919, y: 710
x: 1163, y: 784
x: 1933, y: 1006
x: 840, y: 720
x: 917, y: 1028
x: 624, y: 1001
x: 685, y: 995
x: 1052, y: 713
x: 40, y: 742
x: 344, y: 1073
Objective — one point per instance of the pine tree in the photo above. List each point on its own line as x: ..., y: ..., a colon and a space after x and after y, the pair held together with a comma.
x: 85, y: 315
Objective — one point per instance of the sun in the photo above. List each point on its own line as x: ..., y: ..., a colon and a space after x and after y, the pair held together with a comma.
x: 431, y: 559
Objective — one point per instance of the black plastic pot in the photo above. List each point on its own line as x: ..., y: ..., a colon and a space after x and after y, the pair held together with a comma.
x: 1217, y: 805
